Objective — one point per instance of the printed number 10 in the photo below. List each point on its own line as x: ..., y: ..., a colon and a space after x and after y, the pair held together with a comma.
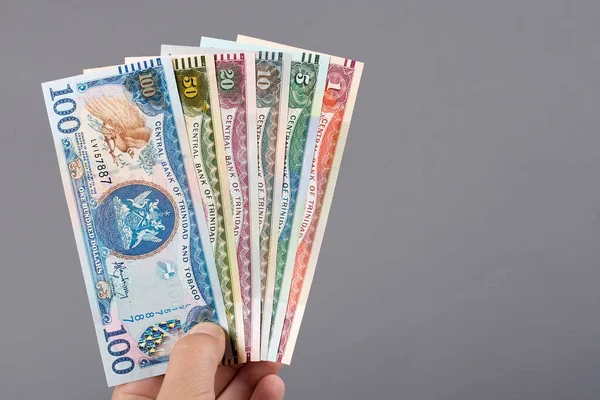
x: 262, y: 79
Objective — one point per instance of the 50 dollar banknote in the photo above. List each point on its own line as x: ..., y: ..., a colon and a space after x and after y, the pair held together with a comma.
x: 197, y: 86
x: 145, y: 254
x: 237, y: 100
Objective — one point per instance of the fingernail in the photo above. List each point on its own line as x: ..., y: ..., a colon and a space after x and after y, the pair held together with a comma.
x: 207, y: 328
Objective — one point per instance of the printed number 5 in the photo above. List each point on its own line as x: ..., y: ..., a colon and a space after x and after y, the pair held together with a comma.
x: 302, y: 79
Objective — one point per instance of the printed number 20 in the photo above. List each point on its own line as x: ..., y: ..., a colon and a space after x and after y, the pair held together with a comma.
x: 226, y: 77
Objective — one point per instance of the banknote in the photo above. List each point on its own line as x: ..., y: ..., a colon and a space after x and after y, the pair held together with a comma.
x: 343, y: 79
x: 272, y: 90
x: 237, y: 98
x: 205, y: 134
x: 308, y: 76
x: 145, y: 254
x: 197, y: 86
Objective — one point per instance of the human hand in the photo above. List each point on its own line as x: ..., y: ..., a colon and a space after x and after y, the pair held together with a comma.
x: 195, y: 373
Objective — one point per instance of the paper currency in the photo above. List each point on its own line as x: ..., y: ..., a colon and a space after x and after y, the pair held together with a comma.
x: 343, y: 79
x: 272, y: 88
x: 197, y: 86
x: 206, y: 140
x: 146, y: 258
x: 308, y: 75
x: 237, y: 98
x: 199, y: 186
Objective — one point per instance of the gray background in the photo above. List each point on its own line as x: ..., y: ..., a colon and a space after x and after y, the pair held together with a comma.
x: 461, y: 256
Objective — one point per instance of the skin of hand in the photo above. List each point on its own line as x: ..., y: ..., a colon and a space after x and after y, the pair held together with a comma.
x: 195, y: 373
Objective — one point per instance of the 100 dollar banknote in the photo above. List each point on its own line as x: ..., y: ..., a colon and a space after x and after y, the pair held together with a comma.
x: 145, y: 254
x: 272, y: 93
x: 343, y: 79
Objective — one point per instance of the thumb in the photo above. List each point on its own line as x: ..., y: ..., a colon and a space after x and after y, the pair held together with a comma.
x: 193, y: 364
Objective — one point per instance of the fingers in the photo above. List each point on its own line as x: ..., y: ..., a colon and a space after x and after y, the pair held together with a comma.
x: 225, y: 373
x: 193, y: 364
x: 146, y: 389
x: 243, y: 384
x: 192, y: 374
x: 271, y: 387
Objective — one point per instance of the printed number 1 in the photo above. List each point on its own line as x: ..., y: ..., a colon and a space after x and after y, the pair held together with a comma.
x: 333, y: 86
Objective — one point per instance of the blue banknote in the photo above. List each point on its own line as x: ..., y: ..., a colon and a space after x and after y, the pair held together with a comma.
x: 146, y: 259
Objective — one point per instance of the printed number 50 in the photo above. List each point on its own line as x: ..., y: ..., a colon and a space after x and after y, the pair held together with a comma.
x: 190, y: 83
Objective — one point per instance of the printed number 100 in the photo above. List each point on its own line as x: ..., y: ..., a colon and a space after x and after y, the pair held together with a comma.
x: 121, y: 365
x: 147, y: 84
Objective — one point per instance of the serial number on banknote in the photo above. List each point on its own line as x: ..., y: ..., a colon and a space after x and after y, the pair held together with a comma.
x: 151, y: 314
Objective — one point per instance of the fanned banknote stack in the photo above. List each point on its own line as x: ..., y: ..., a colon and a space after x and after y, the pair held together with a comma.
x: 199, y: 185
